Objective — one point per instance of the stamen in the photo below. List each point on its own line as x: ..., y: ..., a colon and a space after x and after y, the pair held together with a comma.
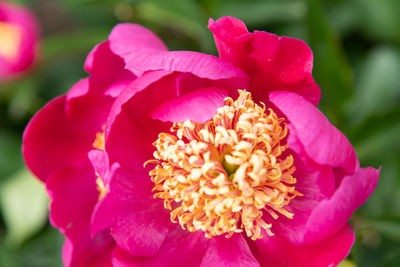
x: 100, y: 187
x: 99, y: 143
x: 227, y: 175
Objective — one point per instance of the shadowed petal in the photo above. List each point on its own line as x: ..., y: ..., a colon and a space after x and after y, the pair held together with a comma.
x: 180, y: 249
x: 226, y: 252
x: 138, y: 222
x: 276, y: 251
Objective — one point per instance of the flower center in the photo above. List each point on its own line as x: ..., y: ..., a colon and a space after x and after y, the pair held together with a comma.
x: 223, y: 176
x: 10, y: 38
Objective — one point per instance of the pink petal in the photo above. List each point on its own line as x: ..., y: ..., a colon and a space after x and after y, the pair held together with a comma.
x: 130, y: 39
x: 273, y: 63
x: 101, y: 165
x: 276, y: 251
x: 331, y: 213
x: 139, y: 223
x: 81, y: 250
x: 73, y: 197
x: 316, y: 219
x: 62, y: 132
x: 105, y: 66
x: 199, y: 106
x: 79, y: 89
x: 130, y: 130
x: 227, y: 252
x: 180, y: 249
x: 200, y: 65
x: 315, y: 185
x: 143, y: 51
x: 86, y: 103
x: 74, y: 194
x: 322, y: 142
x: 52, y: 141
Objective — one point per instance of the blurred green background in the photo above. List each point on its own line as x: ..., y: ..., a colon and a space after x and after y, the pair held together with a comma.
x: 356, y: 45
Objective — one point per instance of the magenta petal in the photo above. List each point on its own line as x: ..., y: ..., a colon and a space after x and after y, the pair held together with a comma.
x: 315, y: 186
x: 200, y: 65
x: 143, y: 51
x: 331, y: 213
x: 273, y: 63
x: 180, y: 249
x: 138, y: 235
x: 131, y: 39
x: 199, y: 106
x: 322, y: 142
x: 81, y: 250
x: 74, y: 194
x: 138, y: 222
x: 122, y: 259
x: 226, y: 252
x: 52, y: 141
x: 73, y: 197
x: 317, y: 219
x: 100, y: 163
x: 130, y: 130
x: 105, y: 66
x: 62, y: 132
x: 276, y: 251
x: 79, y: 89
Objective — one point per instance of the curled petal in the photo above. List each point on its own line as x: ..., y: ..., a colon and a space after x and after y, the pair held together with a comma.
x: 273, y: 63
x: 106, y: 67
x: 132, y: 39
x: 322, y: 142
x: 198, y: 106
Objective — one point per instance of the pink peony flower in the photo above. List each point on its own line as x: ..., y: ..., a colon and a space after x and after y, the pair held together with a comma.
x: 19, y: 37
x: 177, y: 158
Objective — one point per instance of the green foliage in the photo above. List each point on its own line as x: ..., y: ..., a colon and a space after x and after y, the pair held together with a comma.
x: 24, y: 205
x: 356, y: 45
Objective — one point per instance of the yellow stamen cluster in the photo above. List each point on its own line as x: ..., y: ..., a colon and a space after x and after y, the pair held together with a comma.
x: 10, y: 38
x: 222, y: 176
x: 100, y: 187
x: 99, y: 143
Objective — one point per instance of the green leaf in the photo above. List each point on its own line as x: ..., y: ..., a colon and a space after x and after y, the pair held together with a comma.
x: 6, y: 256
x: 10, y: 153
x: 381, y: 19
x: 389, y: 228
x: 186, y: 16
x: 24, y: 205
x: 331, y: 69
x: 43, y: 250
x: 72, y: 42
x: 262, y: 12
x: 384, y: 141
x: 378, y: 85
x: 347, y: 263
